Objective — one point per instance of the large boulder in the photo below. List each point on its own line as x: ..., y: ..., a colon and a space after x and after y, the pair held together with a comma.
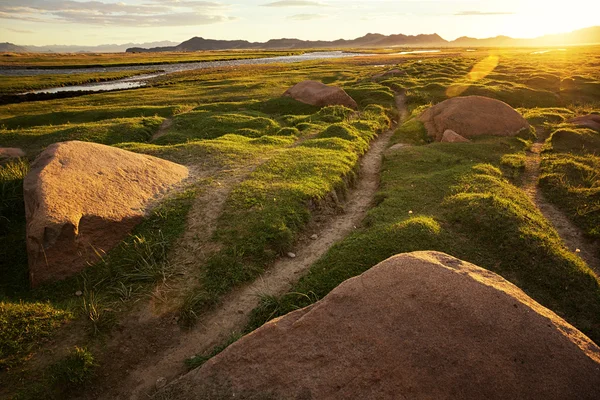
x: 591, y: 121
x: 320, y: 95
x: 82, y: 199
x: 421, y: 325
x: 473, y: 116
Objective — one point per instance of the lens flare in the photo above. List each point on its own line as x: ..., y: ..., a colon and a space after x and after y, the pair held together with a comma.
x: 479, y: 71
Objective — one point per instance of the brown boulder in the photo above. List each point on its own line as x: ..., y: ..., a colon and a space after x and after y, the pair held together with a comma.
x: 8, y: 153
x: 452, y: 137
x: 591, y: 121
x: 82, y: 198
x: 473, y: 116
x: 421, y: 325
x: 320, y: 95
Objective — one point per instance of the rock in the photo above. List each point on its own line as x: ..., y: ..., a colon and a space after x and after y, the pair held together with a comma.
x: 591, y: 121
x: 84, y: 198
x: 314, y: 237
x: 161, y: 382
x: 389, y: 74
x: 397, y: 147
x: 291, y: 255
x: 452, y: 137
x: 9, y: 153
x: 473, y: 116
x: 421, y: 325
x: 78, y: 293
x: 321, y: 95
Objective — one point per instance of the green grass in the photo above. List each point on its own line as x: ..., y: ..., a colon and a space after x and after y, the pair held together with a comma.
x: 62, y: 378
x: 27, y: 83
x: 570, y: 139
x: 573, y: 183
x: 265, y: 213
x: 453, y: 198
x: 25, y: 326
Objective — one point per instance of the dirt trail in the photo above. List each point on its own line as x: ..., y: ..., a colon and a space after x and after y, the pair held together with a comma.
x: 570, y: 234
x: 232, y: 315
x: 163, y: 128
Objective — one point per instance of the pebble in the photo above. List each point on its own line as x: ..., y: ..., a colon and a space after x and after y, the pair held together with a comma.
x: 291, y: 255
x: 78, y: 293
x: 314, y: 237
x: 577, y: 251
x: 161, y: 382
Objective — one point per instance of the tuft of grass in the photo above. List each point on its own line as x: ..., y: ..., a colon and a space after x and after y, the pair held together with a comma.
x: 25, y: 326
x: 74, y: 370
x: 578, y: 140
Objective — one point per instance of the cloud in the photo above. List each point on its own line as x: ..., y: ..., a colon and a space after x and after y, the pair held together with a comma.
x: 152, y: 13
x: 294, y: 3
x: 472, y: 13
x: 306, y: 17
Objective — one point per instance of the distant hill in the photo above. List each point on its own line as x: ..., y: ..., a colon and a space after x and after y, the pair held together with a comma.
x: 11, y: 48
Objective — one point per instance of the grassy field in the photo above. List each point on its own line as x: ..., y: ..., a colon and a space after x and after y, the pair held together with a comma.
x: 89, y: 60
x: 21, y: 84
x: 463, y: 199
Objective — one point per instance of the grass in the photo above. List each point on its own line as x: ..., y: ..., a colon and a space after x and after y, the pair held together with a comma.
x: 23, y: 326
x: 457, y: 198
x: 63, y: 61
x: 28, y: 83
x: 454, y: 198
x: 265, y: 213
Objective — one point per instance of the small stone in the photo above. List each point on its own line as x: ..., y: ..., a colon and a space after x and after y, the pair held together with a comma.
x: 78, y: 293
x: 410, y: 212
x: 577, y: 251
x: 291, y: 255
x: 241, y: 312
x: 161, y: 382
x: 314, y: 237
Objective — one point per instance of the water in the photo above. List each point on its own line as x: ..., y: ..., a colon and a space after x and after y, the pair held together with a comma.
x: 417, y: 52
x: 141, y: 80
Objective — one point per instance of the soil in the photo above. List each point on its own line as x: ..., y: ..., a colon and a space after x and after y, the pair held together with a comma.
x: 571, y: 235
x: 150, y: 347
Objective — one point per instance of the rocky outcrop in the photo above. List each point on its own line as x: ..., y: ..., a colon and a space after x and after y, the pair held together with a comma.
x: 473, y: 116
x: 591, y: 121
x: 421, y: 325
x: 320, y: 95
x: 82, y: 199
x: 9, y: 153
x: 450, y: 136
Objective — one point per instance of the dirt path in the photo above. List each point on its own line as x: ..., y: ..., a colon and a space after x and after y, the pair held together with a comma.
x: 162, y: 129
x: 232, y: 315
x: 570, y: 234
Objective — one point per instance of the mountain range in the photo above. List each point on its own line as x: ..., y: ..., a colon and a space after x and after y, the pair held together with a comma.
x: 372, y: 40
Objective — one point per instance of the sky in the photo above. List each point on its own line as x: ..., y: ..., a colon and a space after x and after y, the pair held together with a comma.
x: 84, y: 22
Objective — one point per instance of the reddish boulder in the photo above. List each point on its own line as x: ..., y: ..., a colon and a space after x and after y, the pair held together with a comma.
x: 84, y: 198
x: 473, y: 116
x: 452, y: 137
x: 421, y: 325
x: 591, y: 121
x: 320, y: 95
